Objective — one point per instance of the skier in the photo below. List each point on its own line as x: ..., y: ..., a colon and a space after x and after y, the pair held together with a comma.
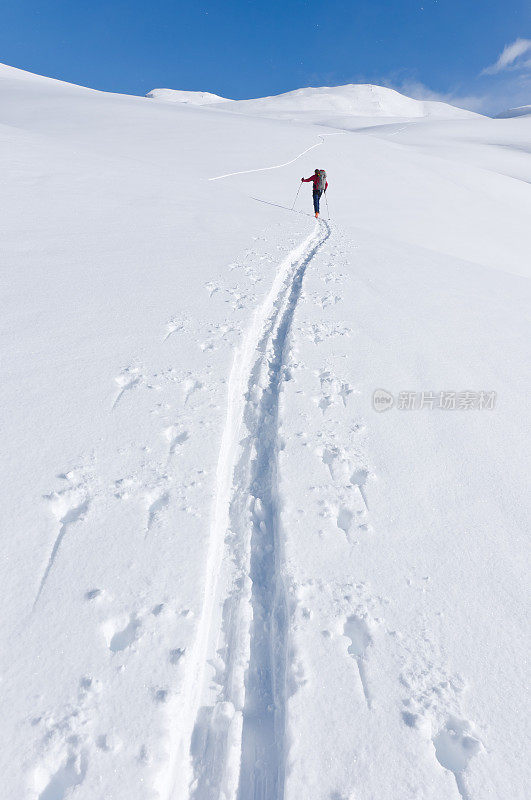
x: 320, y: 185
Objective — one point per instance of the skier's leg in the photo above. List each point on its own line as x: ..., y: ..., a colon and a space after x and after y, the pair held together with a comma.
x: 316, y: 201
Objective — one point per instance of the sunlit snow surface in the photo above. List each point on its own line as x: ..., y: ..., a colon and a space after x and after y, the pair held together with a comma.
x: 358, y: 99
x: 215, y: 553
x: 177, y: 96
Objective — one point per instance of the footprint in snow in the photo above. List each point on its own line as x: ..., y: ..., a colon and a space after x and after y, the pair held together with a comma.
x: 175, y: 436
x: 189, y: 386
x: 120, y: 634
x: 126, y: 380
x: 63, y: 759
x: 71, y: 773
x: 173, y: 326
x: 156, y: 500
x: 357, y: 630
x: 68, y: 507
x: 108, y: 742
x: 345, y: 518
x: 455, y: 745
x: 211, y: 288
x: 328, y: 299
x: 93, y: 594
x: 176, y: 655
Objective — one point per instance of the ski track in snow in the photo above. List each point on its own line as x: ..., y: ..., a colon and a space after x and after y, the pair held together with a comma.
x: 262, y: 763
x: 279, y: 166
x: 244, y: 723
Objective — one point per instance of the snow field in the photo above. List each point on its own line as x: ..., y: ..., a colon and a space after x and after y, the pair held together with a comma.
x: 219, y: 556
x: 395, y: 647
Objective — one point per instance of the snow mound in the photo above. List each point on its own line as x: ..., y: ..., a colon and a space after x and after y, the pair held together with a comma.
x: 519, y: 111
x: 178, y: 96
x: 364, y: 100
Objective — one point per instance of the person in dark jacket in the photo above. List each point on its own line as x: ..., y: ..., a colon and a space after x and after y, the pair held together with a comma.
x: 318, y: 178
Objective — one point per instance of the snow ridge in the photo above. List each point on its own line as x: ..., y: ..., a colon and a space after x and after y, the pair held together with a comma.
x: 245, y: 720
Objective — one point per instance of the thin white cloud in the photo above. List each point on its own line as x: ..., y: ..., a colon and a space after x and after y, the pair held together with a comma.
x: 508, y: 91
x: 510, y: 58
x: 420, y: 91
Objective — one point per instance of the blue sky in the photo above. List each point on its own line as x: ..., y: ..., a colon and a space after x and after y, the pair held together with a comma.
x: 250, y: 48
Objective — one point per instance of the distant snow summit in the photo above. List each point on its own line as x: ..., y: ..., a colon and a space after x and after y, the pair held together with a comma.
x: 355, y: 99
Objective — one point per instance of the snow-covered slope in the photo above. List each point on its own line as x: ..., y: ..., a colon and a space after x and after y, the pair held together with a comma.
x: 178, y: 96
x: 520, y: 111
x: 9, y: 74
x: 360, y: 100
x: 223, y: 574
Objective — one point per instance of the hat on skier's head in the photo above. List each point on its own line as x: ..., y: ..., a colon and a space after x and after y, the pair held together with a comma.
x: 317, y: 170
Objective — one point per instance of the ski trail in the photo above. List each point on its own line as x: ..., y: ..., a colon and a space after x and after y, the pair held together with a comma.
x: 246, y: 719
x: 279, y: 166
x: 262, y: 746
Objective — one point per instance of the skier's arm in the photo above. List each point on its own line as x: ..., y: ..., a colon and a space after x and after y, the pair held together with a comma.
x: 307, y: 180
x: 326, y: 186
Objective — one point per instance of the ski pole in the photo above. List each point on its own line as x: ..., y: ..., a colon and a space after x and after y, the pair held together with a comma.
x: 328, y: 210
x: 298, y: 190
